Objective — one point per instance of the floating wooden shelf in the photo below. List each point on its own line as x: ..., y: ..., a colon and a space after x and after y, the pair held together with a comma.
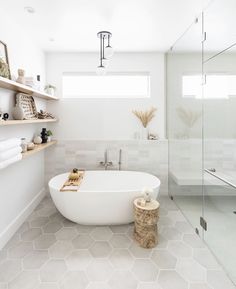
x: 28, y: 121
x: 17, y: 87
x: 38, y: 148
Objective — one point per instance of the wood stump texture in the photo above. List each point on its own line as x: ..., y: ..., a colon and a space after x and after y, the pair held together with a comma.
x: 146, y: 217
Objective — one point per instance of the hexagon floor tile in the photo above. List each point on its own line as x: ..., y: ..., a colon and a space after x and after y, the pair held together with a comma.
x: 26, y: 279
x: 78, y: 260
x: 99, y: 270
x: 35, y: 259
x: 82, y: 241
x: 50, y: 252
x: 100, y: 249
x: 121, y: 259
x: 123, y: 279
x: 53, y: 270
x: 145, y: 270
x: 101, y: 233
x: 75, y: 279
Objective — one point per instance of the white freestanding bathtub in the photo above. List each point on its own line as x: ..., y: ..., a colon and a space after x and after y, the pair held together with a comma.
x: 104, y: 197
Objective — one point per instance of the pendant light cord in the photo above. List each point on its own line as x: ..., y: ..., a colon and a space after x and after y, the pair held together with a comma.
x: 103, y: 57
x: 101, y: 50
x: 103, y: 35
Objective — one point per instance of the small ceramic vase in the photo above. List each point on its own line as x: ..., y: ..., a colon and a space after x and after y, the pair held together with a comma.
x: 30, y: 146
x: 18, y: 112
x: 37, y: 139
x: 50, y: 90
x: 144, y: 133
x: 24, y: 145
x: 21, y: 76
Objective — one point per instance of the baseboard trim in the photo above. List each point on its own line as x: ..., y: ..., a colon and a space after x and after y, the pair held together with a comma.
x: 10, y: 230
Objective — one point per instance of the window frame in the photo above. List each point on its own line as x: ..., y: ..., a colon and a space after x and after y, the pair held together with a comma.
x: 110, y: 73
x: 202, y: 80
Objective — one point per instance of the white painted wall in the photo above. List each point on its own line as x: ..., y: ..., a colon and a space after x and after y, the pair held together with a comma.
x: 103, y: 119
x: 21, y: 184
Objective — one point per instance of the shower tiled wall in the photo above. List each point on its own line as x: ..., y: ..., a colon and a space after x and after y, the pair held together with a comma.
x: 188, y: 153
x: 186, y: 163
x: 147, y: 156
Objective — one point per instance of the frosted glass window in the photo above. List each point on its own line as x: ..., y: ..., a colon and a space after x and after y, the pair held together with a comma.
x: 79, y: 85
x: 216, y: 87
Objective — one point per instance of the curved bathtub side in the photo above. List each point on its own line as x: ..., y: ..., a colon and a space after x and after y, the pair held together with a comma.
x: 97, y: 208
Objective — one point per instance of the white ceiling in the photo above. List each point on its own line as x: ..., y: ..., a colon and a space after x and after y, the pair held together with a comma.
x: 137, y: 25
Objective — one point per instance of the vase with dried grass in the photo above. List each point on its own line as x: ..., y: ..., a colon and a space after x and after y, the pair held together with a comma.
x: 145, y: 118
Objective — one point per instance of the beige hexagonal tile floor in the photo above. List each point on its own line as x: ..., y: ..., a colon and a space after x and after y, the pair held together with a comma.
x: 50, y: 252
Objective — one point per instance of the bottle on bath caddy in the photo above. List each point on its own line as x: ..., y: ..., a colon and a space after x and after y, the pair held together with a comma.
x: 74, y: 175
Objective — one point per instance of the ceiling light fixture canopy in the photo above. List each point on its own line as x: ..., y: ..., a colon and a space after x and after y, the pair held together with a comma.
x: 29, y: 9
x: 105, y: 51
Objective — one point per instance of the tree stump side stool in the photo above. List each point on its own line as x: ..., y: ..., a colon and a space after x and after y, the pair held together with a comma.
x: 146, y: 215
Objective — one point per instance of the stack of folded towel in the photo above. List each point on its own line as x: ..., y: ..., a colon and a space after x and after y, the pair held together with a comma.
x: 10, y: 151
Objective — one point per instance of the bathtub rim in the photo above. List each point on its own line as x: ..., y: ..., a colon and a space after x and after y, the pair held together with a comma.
x: 113, y: 191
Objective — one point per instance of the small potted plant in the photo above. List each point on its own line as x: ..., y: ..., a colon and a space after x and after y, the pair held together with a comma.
x: 50, y: 89
x: 49, y: 134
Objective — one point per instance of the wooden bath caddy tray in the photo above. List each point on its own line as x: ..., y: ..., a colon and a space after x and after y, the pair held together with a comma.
x: 73, y: 185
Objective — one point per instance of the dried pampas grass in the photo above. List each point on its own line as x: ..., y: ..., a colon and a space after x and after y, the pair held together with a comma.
x: 145, y: 116
x: 189, y: 117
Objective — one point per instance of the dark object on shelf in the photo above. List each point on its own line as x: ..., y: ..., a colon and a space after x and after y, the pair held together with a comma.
x: 5, y: 116
x: 38, y: 83
x: 44, y: 135
x: 4, y: 61
x: 44, y: 115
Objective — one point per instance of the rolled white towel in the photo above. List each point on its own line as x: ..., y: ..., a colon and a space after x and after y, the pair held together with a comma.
x: 5, y: 155
x: 8, y: 162
x: 9, y: 143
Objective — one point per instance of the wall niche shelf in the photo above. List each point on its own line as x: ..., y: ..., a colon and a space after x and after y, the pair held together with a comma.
x: 28, y: 121
x: 38, y: 148
x: 17, y: 87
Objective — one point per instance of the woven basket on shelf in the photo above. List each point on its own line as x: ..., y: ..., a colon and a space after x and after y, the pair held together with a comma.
x: 27, y: 107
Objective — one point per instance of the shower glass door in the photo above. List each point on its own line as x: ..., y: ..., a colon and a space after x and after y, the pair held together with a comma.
x: 184, y: 111
x: 220, y: 158
x: 219, y: 132
x: 201, y: 123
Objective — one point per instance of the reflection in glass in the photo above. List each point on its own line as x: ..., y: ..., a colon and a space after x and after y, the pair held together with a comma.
x: 184, y: 93
x: 201, y: 114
